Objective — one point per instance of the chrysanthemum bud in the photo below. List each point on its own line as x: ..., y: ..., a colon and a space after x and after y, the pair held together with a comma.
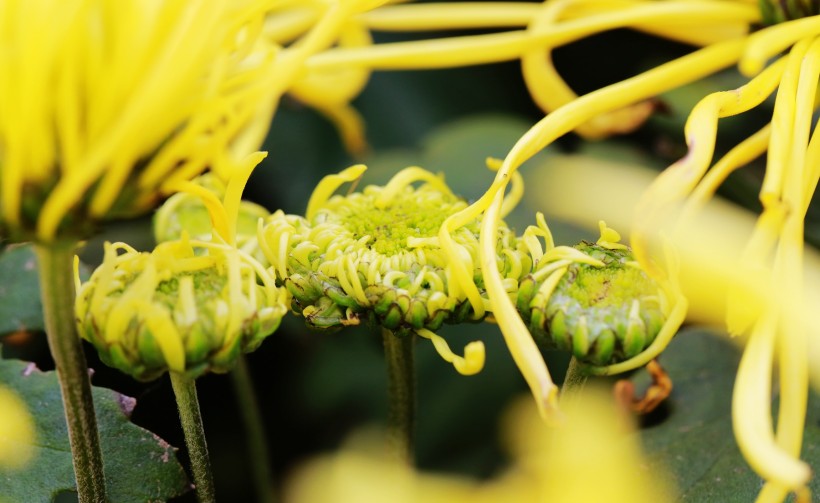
x: 187, y: 307
x: 375, y: 255
x: 593, y: 300
x: 185, y: 212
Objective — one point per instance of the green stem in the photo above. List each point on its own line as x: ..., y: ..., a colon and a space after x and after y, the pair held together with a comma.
x: 257, y: 443
x: 574, y: 381
x: 57, y: 292
x: 401, y: 394
x: 191, y: 419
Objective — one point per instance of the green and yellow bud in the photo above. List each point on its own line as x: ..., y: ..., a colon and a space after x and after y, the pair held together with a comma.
x: 593, y: 300
x: 186, y: 212
x: 187, y: 307
x: 375, y: 256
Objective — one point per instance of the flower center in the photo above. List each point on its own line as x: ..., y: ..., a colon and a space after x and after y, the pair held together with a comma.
x: 413, y: 213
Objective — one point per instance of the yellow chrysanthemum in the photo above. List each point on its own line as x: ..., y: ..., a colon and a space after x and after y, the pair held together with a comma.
x: 593, y: 456
x: 375, y: 256
x: 112, y: 98
x: 775, y: 323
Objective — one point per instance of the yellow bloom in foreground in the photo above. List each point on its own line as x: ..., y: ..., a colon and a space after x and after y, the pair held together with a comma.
x: 16, y: 431
x: 774, y: 315
x: 594, y: 456
x: 110, y: 99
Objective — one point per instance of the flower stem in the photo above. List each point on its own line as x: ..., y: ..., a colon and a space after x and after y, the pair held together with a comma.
x: 574, y: 381
x: 191, y: 419
x: 57, y: 293
x: 257, y: 443
x: 401, y: 395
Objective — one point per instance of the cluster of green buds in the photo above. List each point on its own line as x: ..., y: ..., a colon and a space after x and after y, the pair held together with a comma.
x: 376, y: 256
x: 778, y: 11
x: 189, y: 306
x: 592, y: 299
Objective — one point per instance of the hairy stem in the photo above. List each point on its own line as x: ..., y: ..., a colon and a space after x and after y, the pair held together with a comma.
x: 574, y: 381
x: 57, y: 292
x: 252, y: 421
x: 191, y: 419
x: 401, y: 395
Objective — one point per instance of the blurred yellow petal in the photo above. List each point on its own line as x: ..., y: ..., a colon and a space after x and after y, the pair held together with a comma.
x: 594, y: 455
x: 17, y: 433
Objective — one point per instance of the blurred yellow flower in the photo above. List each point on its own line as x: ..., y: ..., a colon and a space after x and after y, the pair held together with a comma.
x: 110, y: 99
x: 593, y: 456
x: 16, y: 431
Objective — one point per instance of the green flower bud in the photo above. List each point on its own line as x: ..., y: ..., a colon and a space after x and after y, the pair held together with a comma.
x: 376, y: 256
x: 188, y: 306
x: 187, y: 212
x: 593, y: 300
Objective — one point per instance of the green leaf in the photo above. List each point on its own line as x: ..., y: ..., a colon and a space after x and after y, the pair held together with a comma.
x: 20, y: 307
x: 139, y: 466
x: 695, y: 442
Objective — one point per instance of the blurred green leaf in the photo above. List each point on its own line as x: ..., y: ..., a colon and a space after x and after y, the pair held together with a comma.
x: 139, y: 466
x: 695, y: 442
x: 20, y: 306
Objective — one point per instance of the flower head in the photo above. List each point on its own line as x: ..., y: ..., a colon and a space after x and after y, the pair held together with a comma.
x: 112, y: 99
x: 592, y: 299
x: 188, y: 306
x: 375, y: 256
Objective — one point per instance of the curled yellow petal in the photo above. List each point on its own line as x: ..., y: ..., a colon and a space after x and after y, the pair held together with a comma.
x: 474, y: 355
x: 328, y: 185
